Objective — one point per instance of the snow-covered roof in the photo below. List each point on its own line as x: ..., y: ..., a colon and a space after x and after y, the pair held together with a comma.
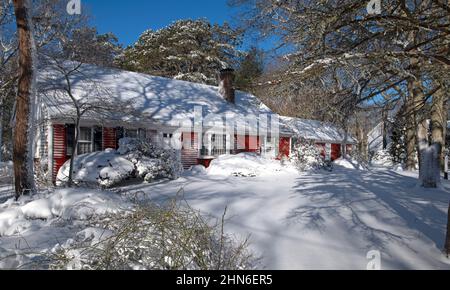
x: 164, y: 100
x: 161, y: 101
x: 316, y: 130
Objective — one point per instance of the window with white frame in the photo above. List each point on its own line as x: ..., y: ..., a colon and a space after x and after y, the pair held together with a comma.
x: 215, y: 145
x: 85, y: 141
x: 167, y: 140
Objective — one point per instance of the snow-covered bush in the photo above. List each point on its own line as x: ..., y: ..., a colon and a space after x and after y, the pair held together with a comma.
x: 307, y: 156
x: 152, y: 237
x: 105, y: 169
x: 382, y: 158
x: 151, y: 161
x: 135, y: 158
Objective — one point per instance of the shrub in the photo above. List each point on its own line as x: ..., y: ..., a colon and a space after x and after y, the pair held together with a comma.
x: 306, y: 156
x: 151, y: 161
x: 153, y: 237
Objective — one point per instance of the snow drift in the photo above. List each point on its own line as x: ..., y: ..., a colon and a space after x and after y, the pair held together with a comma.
x: 67, y: 204
x: 245, y: 165
x: 349, y: 164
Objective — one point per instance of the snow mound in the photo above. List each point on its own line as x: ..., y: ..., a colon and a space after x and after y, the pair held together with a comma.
x: 67, y: 204
x: 349, y: 164
x: 100, y: 168
x: 197, y: 170
x: 244, y: 165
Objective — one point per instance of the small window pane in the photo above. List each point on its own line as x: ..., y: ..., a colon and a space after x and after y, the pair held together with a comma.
x: 85, y: 134
x: 84, y: 148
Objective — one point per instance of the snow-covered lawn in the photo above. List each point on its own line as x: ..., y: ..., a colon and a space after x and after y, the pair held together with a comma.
x: 321, y: 220
x: 325, y: 220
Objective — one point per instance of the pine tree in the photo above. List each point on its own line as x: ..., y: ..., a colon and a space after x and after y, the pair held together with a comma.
x: 191, y: 50
x: 251, y: 67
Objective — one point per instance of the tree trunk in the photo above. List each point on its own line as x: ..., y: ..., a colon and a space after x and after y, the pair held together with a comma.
x: 410, y: 128
x: 447, y: 240
x: 74, y: 151
x: 425, y: 158
x: 439, y: 127
x: 22, y: 153
x: 385, y: 129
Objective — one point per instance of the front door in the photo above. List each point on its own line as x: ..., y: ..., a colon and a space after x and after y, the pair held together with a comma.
x: 285, y: 146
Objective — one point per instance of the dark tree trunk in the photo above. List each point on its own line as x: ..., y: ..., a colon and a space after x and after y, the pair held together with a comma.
x: 22, y: 157
x: 74, y: 151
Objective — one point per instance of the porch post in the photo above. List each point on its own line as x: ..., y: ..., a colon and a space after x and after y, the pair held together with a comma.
x: 209, y: 144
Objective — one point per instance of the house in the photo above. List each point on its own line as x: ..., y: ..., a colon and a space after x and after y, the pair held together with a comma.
x: 328, y: 137
x: 380, y: 137
x: 200, y: 121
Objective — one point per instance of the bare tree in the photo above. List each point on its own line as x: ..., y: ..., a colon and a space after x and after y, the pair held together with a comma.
x: 404, y: 47
x: 91, y: 101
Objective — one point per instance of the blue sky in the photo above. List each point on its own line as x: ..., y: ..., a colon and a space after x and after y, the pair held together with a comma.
x: 128, y: 19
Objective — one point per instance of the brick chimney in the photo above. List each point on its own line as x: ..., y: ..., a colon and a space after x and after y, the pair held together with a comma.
x: 226, y: 87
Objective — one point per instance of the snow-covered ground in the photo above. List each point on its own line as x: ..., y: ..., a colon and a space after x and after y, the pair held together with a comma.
x: 318, y: 220
x: 325, y: 220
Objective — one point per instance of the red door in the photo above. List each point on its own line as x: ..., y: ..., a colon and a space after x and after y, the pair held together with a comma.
x: 285, y: 146
x: 109, y: 138
x: 335, y: 151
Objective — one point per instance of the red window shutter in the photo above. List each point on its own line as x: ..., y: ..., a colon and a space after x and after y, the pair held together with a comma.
x: 59, y: 148
x: 109, y: 138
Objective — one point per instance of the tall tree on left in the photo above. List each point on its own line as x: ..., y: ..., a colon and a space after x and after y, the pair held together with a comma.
x: 23, y: 137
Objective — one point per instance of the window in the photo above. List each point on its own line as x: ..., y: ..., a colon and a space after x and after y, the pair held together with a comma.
x: 167, y: 135
x: 131, y: 133
x: 167, y: 140
x: 218, y: 146
x: 85, y: 141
